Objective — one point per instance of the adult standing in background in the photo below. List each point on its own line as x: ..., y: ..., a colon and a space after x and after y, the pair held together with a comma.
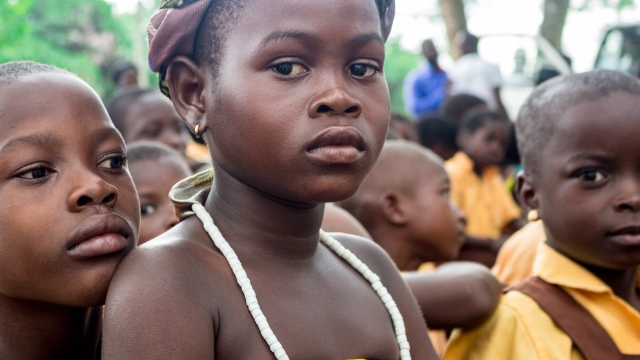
x: 425, y: 87
x: 471, y: 74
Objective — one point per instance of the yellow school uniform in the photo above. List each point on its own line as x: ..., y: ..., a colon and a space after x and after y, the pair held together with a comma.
x: 517, y: 255
x: 520, y: 329
x: 485, y: 200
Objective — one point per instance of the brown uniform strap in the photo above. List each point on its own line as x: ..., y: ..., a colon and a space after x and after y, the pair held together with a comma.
x: 588, y: 336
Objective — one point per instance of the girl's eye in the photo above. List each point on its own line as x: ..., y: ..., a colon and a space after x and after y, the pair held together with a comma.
x: 35, y: 173
x: 591, y: 175
x: 147, y: 209
x: 116, y: 162
x: 362, y: 70
x: 290, y: 69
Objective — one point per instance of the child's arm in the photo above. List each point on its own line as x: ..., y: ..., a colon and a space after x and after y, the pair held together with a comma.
x: 456, y: 295
x: 481, y: 250
x: 380, y: 263
x: 153, y: 310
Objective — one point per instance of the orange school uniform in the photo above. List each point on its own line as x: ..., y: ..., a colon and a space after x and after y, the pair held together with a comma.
x: 520, y: 329
x: 484, y: 199
x: 517, y: 255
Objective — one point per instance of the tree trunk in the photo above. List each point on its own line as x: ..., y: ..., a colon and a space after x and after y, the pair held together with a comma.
x: 455, y: 20
x: 555, y: 14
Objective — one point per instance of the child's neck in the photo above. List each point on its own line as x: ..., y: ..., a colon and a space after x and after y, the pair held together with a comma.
x: 621, y: 282
x: 400, y: 252
x: 38, y: 330
x: 256, y: 223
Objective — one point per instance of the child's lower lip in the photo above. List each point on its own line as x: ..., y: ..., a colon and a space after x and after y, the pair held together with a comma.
x: 98, y: 246
x: 336, y: 154
x: 626, y: 239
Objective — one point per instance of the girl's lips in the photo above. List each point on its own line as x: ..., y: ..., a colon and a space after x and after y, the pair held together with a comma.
x: 336, y: 154
x: 337, y: 145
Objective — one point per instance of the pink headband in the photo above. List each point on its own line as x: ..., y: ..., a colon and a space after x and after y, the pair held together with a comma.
x: 172, y: 31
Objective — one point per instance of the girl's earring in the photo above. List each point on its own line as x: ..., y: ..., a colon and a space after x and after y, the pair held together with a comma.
x: 533, y: 215
x: 197, y: 130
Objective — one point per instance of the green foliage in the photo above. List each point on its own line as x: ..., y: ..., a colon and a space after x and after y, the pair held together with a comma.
x: 82, y: 36
x: 615, y: 4
x: 397, y: 65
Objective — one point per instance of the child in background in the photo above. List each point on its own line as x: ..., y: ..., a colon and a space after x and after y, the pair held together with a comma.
x: 400, y: 127
x: 155, y: 168
x: 69, y: 213
x: 438, y: 133
x: 404, y: 204
x: 578, y: 138
x: 457, y: 107
x: 292, y: 102
x: 478, y: 189
x: 145, y: 114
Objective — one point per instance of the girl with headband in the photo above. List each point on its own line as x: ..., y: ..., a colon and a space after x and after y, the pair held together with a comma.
x: 291, y: 99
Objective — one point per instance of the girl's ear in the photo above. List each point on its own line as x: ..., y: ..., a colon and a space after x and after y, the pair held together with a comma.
x: 526, y: 192
x: 188, y: 85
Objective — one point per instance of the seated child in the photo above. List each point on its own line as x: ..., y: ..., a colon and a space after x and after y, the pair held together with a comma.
x: 478, y: 189
x: 155, y: 168
x: 292, y: 102
x: 145, y: 114
x: 404, y: 204
x: 578, y: 138
x: 438, y: 133
x: 69, y: 213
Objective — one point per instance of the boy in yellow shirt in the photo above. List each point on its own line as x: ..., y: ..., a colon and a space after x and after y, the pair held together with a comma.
x: 578, y: 138
x: 477, y: 186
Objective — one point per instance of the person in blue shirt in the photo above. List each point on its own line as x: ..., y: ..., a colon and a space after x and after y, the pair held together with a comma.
x: 426, y: 86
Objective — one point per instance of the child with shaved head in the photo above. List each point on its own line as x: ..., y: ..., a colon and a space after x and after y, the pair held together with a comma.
x: 578, y: 138
x: 404, y: 204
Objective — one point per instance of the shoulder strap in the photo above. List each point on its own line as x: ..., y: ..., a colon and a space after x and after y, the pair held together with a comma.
x: 586, y: 333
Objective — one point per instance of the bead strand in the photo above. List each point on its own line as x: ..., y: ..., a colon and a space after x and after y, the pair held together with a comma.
x: 376, y: 284
x: 243, y: 281
x: 252, y: 300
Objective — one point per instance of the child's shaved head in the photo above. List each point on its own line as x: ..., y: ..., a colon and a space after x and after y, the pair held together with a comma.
x: 394, y: 171
x: 545, y: 105
x: 404, y: 203
x: 16, y: 70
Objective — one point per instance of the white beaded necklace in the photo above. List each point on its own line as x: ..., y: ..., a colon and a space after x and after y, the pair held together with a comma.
x: 252, y: 300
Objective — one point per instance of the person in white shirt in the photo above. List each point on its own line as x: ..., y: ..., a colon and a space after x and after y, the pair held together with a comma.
x: 473, y: 75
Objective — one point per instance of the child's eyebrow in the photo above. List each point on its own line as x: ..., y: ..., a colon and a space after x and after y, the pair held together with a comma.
x: 39, y: 140
x: 306, y: 37
x: 280, y: 35
x: 103, y: 133
x: 592, y: 157
x: 49, y: 141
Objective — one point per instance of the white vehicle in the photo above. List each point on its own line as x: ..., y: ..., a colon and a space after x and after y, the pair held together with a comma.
x: 620, y: 49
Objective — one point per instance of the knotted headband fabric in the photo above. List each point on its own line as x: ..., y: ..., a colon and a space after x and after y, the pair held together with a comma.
x: 172, y: 31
